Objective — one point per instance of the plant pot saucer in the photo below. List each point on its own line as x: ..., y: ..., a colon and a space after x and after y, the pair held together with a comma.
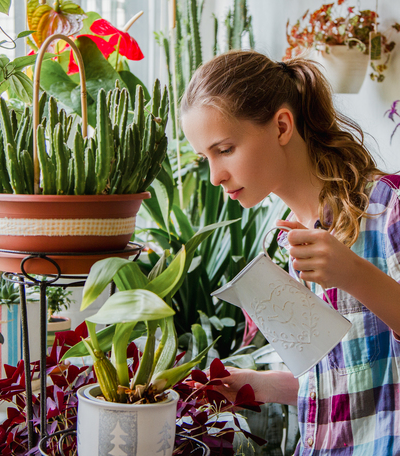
x: 69, y: 264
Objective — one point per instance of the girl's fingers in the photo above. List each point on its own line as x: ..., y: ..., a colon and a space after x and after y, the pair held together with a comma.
x: 289, y: 224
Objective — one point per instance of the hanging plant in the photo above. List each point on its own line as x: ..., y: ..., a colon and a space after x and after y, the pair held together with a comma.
x: 331, y: 25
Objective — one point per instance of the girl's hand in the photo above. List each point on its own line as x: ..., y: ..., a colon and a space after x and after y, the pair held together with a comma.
x: 319, y: 256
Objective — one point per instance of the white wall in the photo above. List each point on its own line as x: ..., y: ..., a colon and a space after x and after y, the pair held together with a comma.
x: 369, y: 105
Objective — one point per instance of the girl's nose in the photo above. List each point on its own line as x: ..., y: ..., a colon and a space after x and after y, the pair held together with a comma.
x: 218, y: 175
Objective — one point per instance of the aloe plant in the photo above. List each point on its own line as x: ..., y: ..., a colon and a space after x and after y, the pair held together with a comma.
x: 141, y: 298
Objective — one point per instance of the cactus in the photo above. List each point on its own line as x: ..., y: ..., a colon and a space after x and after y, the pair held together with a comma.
x: 119, y: 158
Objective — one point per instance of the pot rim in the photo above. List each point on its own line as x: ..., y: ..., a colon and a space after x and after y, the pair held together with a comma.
x: 73, y: 198
x: 85, y: 396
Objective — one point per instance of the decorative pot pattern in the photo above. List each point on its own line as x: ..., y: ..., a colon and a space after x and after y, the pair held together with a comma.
x: 290, y: 333
x: 112, y: 429
x: 300, y: 326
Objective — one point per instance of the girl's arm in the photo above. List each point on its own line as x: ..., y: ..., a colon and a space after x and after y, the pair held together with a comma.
x: 269, y: 386
x: 322, y: 259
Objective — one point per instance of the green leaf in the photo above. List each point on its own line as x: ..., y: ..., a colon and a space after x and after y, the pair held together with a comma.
x: 21, y: 62
x: 102, y: 273
x: 5, y: 6
x: 131, y: 82
x: 241, y: 361
x: 22, y: 86
x: 168, y: 378
x: 132, y: 305
x: 130, y: 277
x: 194, y: 242
x: 25, y: 33
x: 163, y: 284
x: 105, y: 338
x: 3, y: 60
x: 99, y: 73
x: 163, y: 200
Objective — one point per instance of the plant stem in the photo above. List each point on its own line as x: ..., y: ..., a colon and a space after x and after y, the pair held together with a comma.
x: 117, y: 50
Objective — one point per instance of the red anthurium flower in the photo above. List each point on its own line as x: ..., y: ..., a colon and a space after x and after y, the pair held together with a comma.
x: 128, y: 47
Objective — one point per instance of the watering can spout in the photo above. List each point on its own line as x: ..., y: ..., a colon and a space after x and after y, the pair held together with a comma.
x: 227, y: 293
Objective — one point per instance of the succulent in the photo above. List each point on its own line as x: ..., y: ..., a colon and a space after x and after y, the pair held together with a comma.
x: 120, y: 156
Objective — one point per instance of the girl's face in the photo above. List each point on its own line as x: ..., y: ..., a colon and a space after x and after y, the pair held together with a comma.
x: 247, y: 159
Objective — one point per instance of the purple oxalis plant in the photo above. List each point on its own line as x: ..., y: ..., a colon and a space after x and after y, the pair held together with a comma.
x: 198, y: 407
x: 392, y: 113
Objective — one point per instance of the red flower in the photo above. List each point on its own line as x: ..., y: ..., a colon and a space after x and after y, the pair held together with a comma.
x: 128, y: 47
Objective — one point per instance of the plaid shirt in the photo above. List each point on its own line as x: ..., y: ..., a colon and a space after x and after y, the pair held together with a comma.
x: 349, y: 403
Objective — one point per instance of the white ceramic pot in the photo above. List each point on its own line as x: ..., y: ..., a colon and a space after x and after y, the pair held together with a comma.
x: 108, y: 428
x: 345, y: 68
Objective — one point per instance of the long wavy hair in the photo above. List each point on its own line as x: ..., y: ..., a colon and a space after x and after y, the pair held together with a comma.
x: 248, y: 85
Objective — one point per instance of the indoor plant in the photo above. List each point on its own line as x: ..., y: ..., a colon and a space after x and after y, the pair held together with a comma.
x: 336, y: 36
x: 140, y: 299
x: 116, y: 164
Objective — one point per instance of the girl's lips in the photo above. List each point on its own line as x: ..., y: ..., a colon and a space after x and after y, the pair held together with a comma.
x: 235, y: 193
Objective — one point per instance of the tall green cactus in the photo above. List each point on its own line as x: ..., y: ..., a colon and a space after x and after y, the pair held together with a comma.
x: 119, y: 158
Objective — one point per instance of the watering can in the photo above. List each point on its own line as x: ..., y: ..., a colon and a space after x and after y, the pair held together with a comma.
x: 299, y: 325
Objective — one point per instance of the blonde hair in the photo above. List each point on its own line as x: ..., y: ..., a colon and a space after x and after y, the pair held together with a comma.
x: 248, y: 85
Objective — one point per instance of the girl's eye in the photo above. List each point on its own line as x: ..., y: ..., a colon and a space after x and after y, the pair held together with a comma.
x: 226, y: 151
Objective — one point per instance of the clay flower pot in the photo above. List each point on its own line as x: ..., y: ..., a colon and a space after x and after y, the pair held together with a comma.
x: 68, y: 223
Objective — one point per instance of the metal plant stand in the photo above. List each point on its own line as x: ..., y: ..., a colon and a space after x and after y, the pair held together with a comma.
x: 25, y: 279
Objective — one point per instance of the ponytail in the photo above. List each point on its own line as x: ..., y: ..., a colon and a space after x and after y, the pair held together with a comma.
x: 248, y: 85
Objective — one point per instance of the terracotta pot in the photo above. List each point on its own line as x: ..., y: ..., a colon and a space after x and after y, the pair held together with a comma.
x: 68, y: 264
x: 67, y: 223
x: 345, y: 68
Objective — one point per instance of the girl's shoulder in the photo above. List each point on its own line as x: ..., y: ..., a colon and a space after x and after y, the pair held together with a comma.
x: 385, y: 190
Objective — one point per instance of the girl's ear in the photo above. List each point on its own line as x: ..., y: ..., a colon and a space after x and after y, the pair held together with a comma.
x: 285, y: 122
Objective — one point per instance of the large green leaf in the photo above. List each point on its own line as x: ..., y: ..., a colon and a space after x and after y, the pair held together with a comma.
x: 132, y: 305
x: 102, y: 273
x: 131, y: 82
x: 99, y: 73
x: 5, y: 6
x: 22, y: 86
x: 130, y: 277
x: 21, y: 62
x: 166, y: 282
x: 105, y: 338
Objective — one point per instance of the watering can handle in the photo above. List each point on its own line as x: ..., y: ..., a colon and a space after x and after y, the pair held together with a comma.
x: 286, y: 228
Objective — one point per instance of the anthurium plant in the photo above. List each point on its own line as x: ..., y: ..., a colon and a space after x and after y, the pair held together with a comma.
x: 141, y: 298
x: 333, y: 24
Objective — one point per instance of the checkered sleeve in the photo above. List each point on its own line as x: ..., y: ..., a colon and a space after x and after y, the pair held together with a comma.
x: 392, y: 242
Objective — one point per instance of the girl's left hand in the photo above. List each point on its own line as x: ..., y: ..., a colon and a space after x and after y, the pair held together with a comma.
x: 319, y: 256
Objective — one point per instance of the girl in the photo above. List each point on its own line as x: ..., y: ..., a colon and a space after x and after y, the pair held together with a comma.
x: 271, y: 127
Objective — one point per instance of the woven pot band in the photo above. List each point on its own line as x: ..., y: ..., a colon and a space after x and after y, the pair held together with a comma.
x: 66, y: 227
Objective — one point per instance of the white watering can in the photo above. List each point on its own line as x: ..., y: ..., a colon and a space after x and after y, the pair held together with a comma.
x: 300, y: 326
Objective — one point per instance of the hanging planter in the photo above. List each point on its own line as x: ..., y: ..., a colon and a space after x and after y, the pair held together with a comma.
x: 344, y: 67
x: 84, y: 198
x: 344, y: 40
x: 125, y: 429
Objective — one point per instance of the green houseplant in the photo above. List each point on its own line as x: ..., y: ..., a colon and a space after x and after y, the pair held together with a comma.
x: 112, y: 167
x: 336, y: 33
x: 141, y: 298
